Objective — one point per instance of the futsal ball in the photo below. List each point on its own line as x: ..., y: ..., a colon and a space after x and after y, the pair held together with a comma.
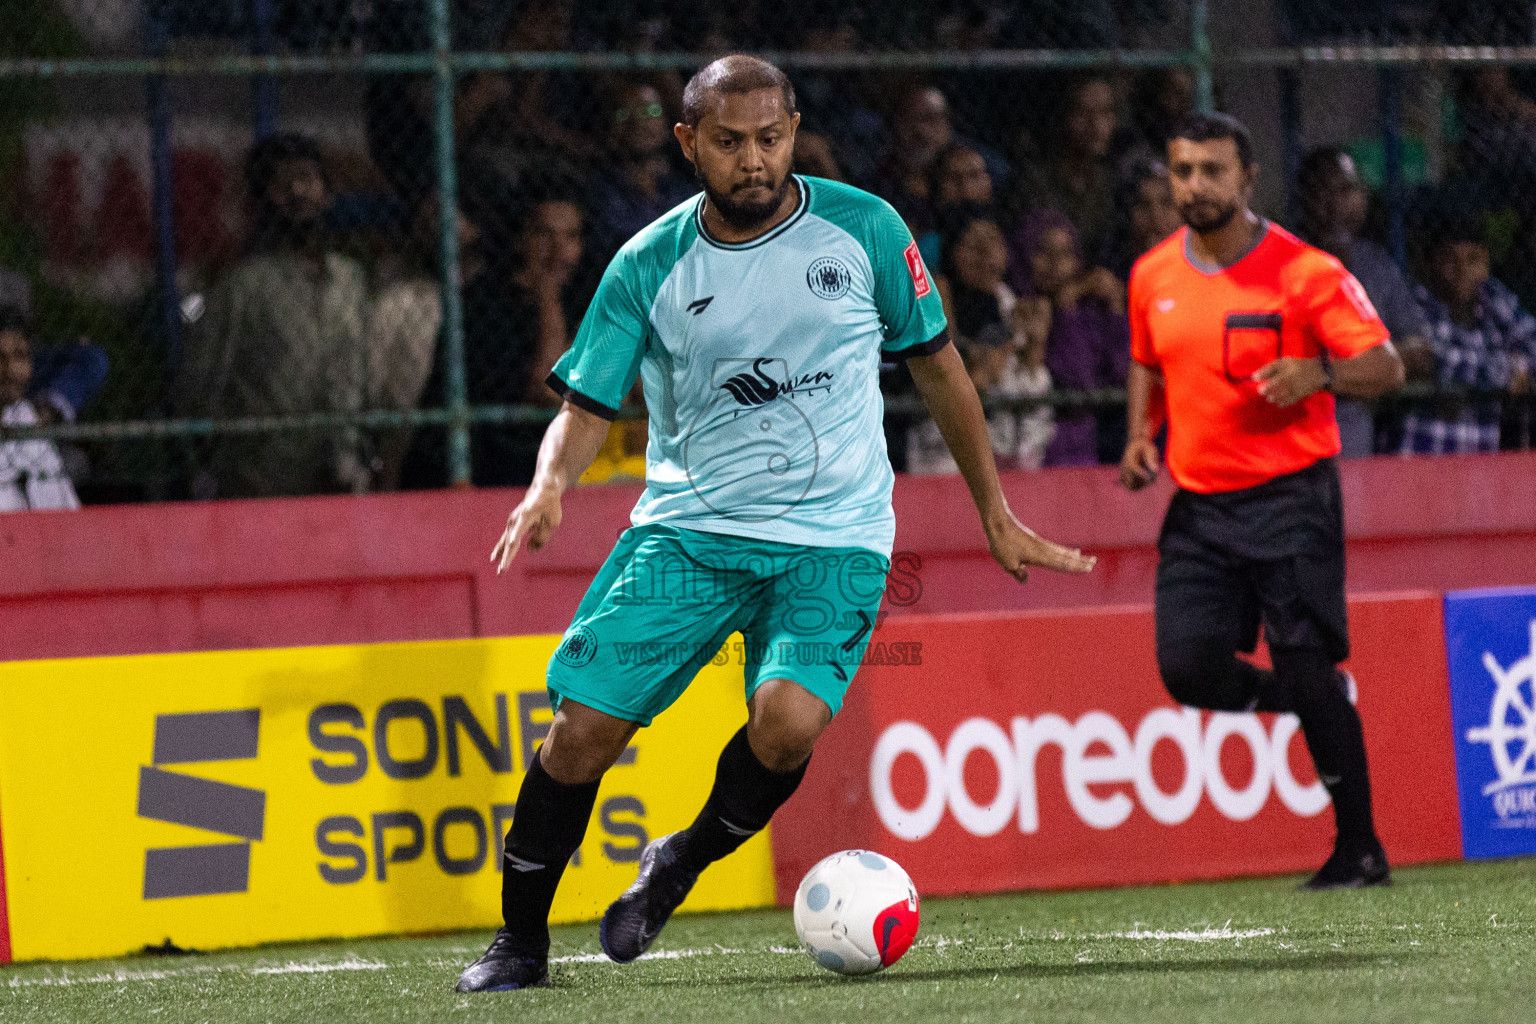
x: 856, y: 912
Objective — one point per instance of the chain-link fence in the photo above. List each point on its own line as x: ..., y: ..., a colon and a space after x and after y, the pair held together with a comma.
x: 223, y: 233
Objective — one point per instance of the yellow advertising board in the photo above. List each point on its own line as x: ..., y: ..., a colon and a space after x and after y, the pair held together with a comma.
x: 230, y: 798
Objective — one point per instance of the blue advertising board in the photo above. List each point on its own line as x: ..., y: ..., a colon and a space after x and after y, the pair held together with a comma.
x: 1490, y: 640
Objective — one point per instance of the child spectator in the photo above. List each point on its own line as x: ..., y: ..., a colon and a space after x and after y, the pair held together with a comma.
x: 1480, y: 340
x: 1003, y: 341
x: 1089, y: 341
x: 32, y: 474
x: 1145, y: 214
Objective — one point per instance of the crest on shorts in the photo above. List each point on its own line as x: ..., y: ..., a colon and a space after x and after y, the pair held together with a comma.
x: 578, y: 648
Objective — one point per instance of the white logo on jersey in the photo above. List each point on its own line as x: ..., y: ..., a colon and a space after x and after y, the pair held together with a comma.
x: 1165, y: 305
x: 1355, y: 292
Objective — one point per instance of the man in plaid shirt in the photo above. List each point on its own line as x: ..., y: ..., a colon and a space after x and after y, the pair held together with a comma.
x: 1481, y: 343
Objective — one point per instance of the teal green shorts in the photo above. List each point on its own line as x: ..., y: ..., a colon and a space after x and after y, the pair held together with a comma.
x: 667, y: 599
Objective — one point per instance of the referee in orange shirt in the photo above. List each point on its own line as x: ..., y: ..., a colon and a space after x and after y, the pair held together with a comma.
x: 1241, y: 335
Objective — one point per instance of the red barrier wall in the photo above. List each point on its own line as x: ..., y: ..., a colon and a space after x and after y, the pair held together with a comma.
x: 1003, y: 680
x: 180, y: 577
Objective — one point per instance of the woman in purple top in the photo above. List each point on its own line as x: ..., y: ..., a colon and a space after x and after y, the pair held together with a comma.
x: 1089, y: 345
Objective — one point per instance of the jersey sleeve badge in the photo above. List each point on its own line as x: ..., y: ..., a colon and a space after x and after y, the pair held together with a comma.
x: 1355, y: 292
x: 917, y: 270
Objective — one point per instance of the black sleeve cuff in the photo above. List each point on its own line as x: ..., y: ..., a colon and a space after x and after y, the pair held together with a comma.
x: 580, y: 400
x: 927, y: 348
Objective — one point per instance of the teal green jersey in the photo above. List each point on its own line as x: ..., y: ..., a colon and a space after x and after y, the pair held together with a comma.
x: 760, y: 365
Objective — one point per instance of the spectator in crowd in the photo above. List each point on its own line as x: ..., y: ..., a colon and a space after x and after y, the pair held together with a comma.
x: 1480, y: 340
x: 525, y: 318
x: 32, y: 474
x: 831, y: 103
x: 1145, y: 214
x: 65, y: 377
x: 537, y: 131
x: 1076, y: 175
x: 399, y: 108
x: 281, y: 334
x: 406, y: 318
x: 1494, y: 165
x: 1003, y: 341
x: 920, y: 130
x: 1088, y: 345
x: 639, y: 184
x: 1333, y: 209
x: 1161, y: 101
x: 958, y: 180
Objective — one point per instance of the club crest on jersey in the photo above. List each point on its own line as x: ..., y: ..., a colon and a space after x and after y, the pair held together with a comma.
x: 829, y: 277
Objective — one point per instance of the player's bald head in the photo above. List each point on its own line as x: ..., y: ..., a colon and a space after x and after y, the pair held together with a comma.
x: 736, y: 73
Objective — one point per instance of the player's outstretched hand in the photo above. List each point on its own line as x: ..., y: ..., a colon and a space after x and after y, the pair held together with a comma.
x: 1139, y: 464
x: 1288, y: 380
x: 535, y: 519
x: 1016, y: 547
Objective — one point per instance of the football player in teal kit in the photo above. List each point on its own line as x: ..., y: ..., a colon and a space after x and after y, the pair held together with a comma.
x: 756, y: 315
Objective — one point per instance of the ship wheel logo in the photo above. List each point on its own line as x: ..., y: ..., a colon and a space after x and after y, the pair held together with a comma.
x: 1511, y: 729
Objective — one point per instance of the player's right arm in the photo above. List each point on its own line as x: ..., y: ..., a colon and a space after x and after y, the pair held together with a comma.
x: 1140, y: 463
x: 569, y: 446
x: 592, y: 377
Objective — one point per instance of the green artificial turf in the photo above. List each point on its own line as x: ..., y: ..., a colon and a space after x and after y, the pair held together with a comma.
x: 1448, y: 943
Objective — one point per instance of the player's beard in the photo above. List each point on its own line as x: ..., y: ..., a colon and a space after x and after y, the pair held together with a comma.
x: 744, y: 215
x: 1203, y: 222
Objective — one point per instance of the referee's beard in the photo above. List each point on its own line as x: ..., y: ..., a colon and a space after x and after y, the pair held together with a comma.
x: 744, y: 214
x: 1205, y: 216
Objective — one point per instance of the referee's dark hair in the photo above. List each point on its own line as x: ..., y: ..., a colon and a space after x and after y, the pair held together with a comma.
x: 735, y: 73
x: 1211, y: 127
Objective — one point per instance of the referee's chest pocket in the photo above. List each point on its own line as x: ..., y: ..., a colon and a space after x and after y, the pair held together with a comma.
x: 1249, y: 341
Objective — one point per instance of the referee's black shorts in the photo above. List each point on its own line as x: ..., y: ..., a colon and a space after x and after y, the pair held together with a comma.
x: 1272, y: 553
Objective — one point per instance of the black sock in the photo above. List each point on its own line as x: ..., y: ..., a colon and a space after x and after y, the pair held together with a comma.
x: 1332, y: 729
x: 745, y: 795
x: 547, y: 828
x: 1206, y: 673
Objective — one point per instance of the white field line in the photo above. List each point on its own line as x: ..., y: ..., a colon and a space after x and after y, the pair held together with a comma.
x: 1203, y: 935
x: 119, y: 977
x: 122, y: 977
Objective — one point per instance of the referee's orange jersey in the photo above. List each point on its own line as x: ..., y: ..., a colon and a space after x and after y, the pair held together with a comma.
x: 1208, y: 332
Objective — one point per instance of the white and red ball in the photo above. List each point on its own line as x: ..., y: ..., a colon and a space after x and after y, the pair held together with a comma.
x: 856, y: 912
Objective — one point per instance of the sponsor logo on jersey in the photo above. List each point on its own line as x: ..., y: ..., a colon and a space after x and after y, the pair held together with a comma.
x: 698, y: 306
x: 1165, y: 305
x: 755, y: 387
x: 917, y: 270
x: 829, y: 278
x: 1355, y: 292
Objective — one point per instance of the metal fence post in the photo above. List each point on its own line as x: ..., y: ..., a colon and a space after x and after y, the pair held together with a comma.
x: 1391, y: 107
x: 1200, y: 51
x: 455, y: 392
x: 163, y: 191
x: 263, y: 86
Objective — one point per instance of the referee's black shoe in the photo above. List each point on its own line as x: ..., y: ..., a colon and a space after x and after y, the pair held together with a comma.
x: 633, y: 921
x: 503, y: 967
x: 1352, y: 867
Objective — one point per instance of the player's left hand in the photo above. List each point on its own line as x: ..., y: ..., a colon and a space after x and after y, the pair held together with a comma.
x: 1288, y: 380
x: 1016, y: 547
